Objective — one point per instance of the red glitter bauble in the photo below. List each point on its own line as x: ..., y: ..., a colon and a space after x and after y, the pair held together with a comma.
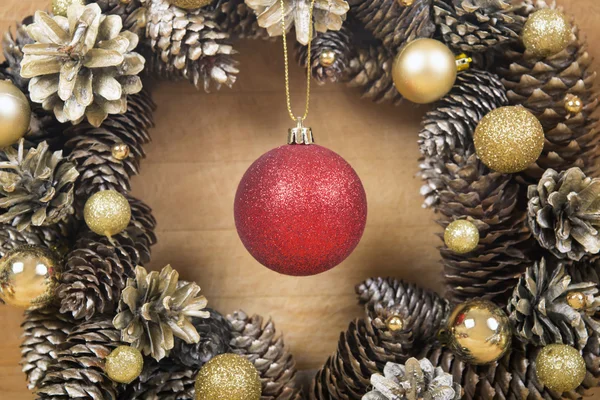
x: 300, y: 209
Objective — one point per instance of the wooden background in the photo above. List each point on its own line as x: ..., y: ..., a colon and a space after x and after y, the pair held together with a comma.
x: 202, y: 146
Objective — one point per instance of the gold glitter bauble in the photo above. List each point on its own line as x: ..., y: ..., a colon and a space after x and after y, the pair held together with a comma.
x: 120, y: 151
x: 228, y: 377
x: 15, y: 114
x: 577, y: 300
x: 424, y: 71
x: 573, y: 104
x: 327, y: 58
x: 560, y: 367
x: 461, y: 236
x: 60, y: 7
x: 546, y: 32
x: 28, y: 277
x: 124, y: 364
x: 107, y: 212
x: 395, y: 323
x: 478, y: 332
x: 509, y: 139
x: 190, y: 4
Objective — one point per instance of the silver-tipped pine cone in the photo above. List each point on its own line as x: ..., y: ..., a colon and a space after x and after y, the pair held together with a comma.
x: 261, y: 345
x: 132, y: 12
x: 83, y: 66
x: 157, y: 307
x: 36, y: 186
x: 12, y: 48
x: 53, y: 237
x: 563, y: 213
x: 164, y: 380
x: 416, y: 379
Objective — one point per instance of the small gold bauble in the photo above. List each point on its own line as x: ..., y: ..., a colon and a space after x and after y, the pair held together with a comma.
x: 560, y: 367
x: 120, y: 151
x: 395, y: 323
x: 60, y: 7
x: 126, y: 1
x: 573, y: 104
x: 577, y: 300
x: 509, y: 139
x: 424, y: 71
x: 15, y: 114
x: 327, y: 58
x: 461, y: 236
x: 124, y: 364
x: 28, y: 277
x: 228, y: 377
x: 478, y: 332
x: 190, y: 4
x: 406, y: 3
x: 107, y: 212
x: 546, y: 32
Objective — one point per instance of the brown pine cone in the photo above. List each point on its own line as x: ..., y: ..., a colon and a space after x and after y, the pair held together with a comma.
x: 164, y: 380
x: 12, y: 48
x: 239, y: 21
x: 52, y: 237
x: 132, y: 12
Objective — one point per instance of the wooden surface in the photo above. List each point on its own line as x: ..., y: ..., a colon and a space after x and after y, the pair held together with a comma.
x: 202, y: 146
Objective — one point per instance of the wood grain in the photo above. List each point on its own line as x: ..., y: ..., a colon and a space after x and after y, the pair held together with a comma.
x: 202, y: 146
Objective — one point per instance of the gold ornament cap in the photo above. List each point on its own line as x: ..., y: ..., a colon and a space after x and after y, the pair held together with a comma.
x: 461, y: 236
x: 300, y: 134
x: 228, y: 377
x: 547, y: 32
x: 190, y: 4
x: 560, y: 368
x: 124, y: 364
x: 60, y: 7
x: 15, y: 114
x: 107, y: 212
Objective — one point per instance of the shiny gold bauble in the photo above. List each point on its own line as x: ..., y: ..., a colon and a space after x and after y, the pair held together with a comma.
x: 560, y: 367
x: 546, y: 32
x: 120, y: 151
x: 577, y: 300
x: 573, y: 104
x: 190, y: 4
x: 424, y: 71
x: 461, y: 236
x: 15, y: 114
x: 228, y: 377
x: 107, y: 212
x: 327, y: 58
x: 124, y: 364
x: 509, y: 139
x: 478, y: 332
x: 60, y: 7
x: 28, y: 277
x: 406, y: 3
x: 395, y: 323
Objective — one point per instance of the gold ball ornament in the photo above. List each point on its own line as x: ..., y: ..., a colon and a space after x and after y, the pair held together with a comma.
x: 124, y: 364
x: 327, y: 58
x: 15, y: 114
x: 546, y: 32
x: 120, y: 151
x: 190, y: 4
x: 395, y: 323
x: 573, y: 104
x: 60, y: 7
x: 424, y: 71
x: 406, y: 3
x: 509, y: 139
x: 577, y: 300
x: 461, y: 236
x: 478, y: 332
x: 228, y: 377
x: 560, y: 368
x: 28, y: 277
x: 107, y: 212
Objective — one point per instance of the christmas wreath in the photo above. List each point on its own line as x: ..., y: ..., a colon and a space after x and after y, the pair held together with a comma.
x: 509, y: 163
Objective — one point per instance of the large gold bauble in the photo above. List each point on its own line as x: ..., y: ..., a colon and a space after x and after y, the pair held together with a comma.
x: 509, y: 139
x: 124, y: 364
x: 546, y: 32
x: 461, y: 236
x: 190, y: 4
x: 560, y: 367
x: 15, y: 114
x: 60, y: 7
x: 107, y: 212
x: 478, y: 332
x: 228, y: 377
x: 28, y: 277
x: 424, y: 71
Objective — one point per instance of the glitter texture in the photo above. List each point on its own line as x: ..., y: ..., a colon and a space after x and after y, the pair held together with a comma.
x: 461, y: 236
x: 107, y: 212
x: 124, y: 364
x: 59, y: 7
x: 509, y: 139
x: 546, y: 32
x: 560, y: 367
x: 228, y: 377
x: 300, y: 209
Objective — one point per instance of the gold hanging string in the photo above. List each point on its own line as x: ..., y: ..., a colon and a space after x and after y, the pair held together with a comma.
x: 308, y: 56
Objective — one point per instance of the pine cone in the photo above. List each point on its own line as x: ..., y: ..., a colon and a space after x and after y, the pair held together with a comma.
x: 85, y: 71
x: 562, y: 213
x: 413, y: 381
x: 131, y: 12
x: 78, y: 372
x: 44, y: 331
x: 394, y: 24
x: 164, y: 380
x: 259, y: 343
x: 156, y: 307
x: 239, y: 21
x: 36, y: 187
x: 12, y: 48
x: 52, y: 237
x: 215, y: 336
x: 477, y: 25
x: 189, y: 44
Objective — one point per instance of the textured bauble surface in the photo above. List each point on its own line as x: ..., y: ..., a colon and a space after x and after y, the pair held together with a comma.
x: 124, y: 364
x: 300, y: 209
x: 478, y: 332
x: 120, y: 151
x: 546, y: 32
x: 59, y: 7
x: 107, y: 212
x: 228, y: 377
x: 573, y: 104
x: 461, y: 236
x: 28, y: 277
x: 424, y: 71
x: 15, y: 114
x: 560, y: 367
x: 190, y: 4
x: 509, y: 139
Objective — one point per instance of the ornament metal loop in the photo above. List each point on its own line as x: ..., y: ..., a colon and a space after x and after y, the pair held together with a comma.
x: 300, y: 134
